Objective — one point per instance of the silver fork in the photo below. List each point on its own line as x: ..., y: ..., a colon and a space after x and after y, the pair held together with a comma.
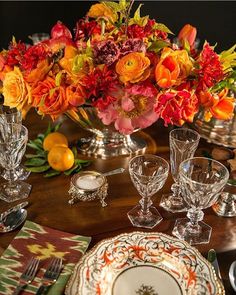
x: 27, y: 276
x: 51, y: 275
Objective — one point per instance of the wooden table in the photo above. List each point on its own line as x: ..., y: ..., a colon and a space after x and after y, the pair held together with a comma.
x: 48, y: 201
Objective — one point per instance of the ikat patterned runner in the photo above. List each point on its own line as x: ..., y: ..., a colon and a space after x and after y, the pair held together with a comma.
x: 44, y: 243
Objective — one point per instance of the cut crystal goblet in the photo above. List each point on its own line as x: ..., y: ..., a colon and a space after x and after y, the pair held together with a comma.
x: 13, y: 140
x: 148, y: 174
x: 183, y: 144
x: 201, y: 181
x: 8, y: 116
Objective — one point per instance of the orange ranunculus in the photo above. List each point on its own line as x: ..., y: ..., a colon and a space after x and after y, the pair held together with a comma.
x: 133, y: 67
x: 172, y: 68
x: 16, y: 92
x: 75, y: 94
x: 103, y: 11
x: 219, y: 106
x: 188, y: 33
x: 39, y: 73
x: 50, y: 99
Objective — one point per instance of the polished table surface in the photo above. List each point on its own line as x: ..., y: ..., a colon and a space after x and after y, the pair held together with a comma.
x: 48, y: 201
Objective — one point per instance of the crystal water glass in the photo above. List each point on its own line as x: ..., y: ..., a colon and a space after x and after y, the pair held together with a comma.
x: 13, y: 140
x: 148, y: 174
x: 183, y: 144
x: 201, y: 180
x: 7, y: 116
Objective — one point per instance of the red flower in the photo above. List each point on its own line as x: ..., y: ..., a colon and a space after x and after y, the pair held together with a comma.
x: 210, y: 69
x: 15, y: 54
x: 85, y: 29
x: 137, y: 31
x: 176, y: 107
x: 99, y: 85
x: 33, y: 56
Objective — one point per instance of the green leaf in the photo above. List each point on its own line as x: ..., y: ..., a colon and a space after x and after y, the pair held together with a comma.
x: 38, y: 169
x: 163, y: 28
x: 113, y: 5
x: 34, y: 145
x: 52, y: 173
x: 74, y: 150
x: 158, y: 45
x: 80, y: 161
x: 70, y: 171
x: 56, y: 127
x: 39, y: 154
x: 232, y: 181
x: 58, y: 79
x: 38, y: 141
x: 137, y: 13
x: 49, y: 130
x: 41, y: 136
x: 35, y: 162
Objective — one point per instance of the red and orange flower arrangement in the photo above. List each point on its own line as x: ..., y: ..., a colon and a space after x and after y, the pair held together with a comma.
x: 126, y: 67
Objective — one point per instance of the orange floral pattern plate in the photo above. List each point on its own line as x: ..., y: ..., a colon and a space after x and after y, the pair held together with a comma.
x: 143, y: 263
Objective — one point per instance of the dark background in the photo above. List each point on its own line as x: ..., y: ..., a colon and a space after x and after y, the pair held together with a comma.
x: 215, y: 20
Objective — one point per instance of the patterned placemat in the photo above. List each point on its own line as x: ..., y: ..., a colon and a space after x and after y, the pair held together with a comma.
x: 44, y: 243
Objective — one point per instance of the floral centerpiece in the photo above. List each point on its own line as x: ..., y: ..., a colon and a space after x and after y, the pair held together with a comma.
x: 126, y: 67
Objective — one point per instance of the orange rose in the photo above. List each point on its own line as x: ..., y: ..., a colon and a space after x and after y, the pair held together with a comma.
x: 16, y: 92
x: 50, y: 99
x: 219, y: 106
x: 38, y: 73
x: 173, y: 67
x: 103, y: 11
x: 133, y: 67
x: 75, y: 94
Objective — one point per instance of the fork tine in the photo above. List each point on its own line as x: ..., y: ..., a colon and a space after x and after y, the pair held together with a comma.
x: 32, y: 267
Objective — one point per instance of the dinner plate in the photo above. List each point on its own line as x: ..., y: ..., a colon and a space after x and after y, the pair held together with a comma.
x: 141, y: 263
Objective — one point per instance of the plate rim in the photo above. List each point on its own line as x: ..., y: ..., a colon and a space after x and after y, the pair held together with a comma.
x: 219, y: 284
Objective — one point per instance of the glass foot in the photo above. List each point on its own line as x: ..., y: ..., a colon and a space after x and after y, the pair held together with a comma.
x: 15, y: 191
x: 20, y: 173
x: 181, y: 231
x: 172, y: 203
x: 148, y: 221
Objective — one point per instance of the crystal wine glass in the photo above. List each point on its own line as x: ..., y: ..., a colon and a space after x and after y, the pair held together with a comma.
x: 13, y: 139
x: 7, y: 116
x: 201, y: 181
x: 148, y: 174
x: 183, y: 144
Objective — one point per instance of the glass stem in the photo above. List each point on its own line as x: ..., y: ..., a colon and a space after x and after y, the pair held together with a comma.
x: 11, y: 177
x: 145, y: 203
x: 194, y: 215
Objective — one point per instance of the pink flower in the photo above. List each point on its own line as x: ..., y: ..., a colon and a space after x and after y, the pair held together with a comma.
x: 133, y: 109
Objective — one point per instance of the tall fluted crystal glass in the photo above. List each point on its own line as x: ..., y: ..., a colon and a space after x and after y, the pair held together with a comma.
x: 13, y: 140
x: 183, y: 144
x: 201, y: 180
x: 148, y: 174
x: 8, y: 116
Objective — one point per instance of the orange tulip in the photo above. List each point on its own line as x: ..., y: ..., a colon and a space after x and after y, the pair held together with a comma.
x: 75, y: 94
x: 133, y: 67
x: 219, y: 106
x: 188, y: 33
x: 172, y: 68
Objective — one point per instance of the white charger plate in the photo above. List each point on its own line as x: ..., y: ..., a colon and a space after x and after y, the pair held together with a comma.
x: 141, y: 263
